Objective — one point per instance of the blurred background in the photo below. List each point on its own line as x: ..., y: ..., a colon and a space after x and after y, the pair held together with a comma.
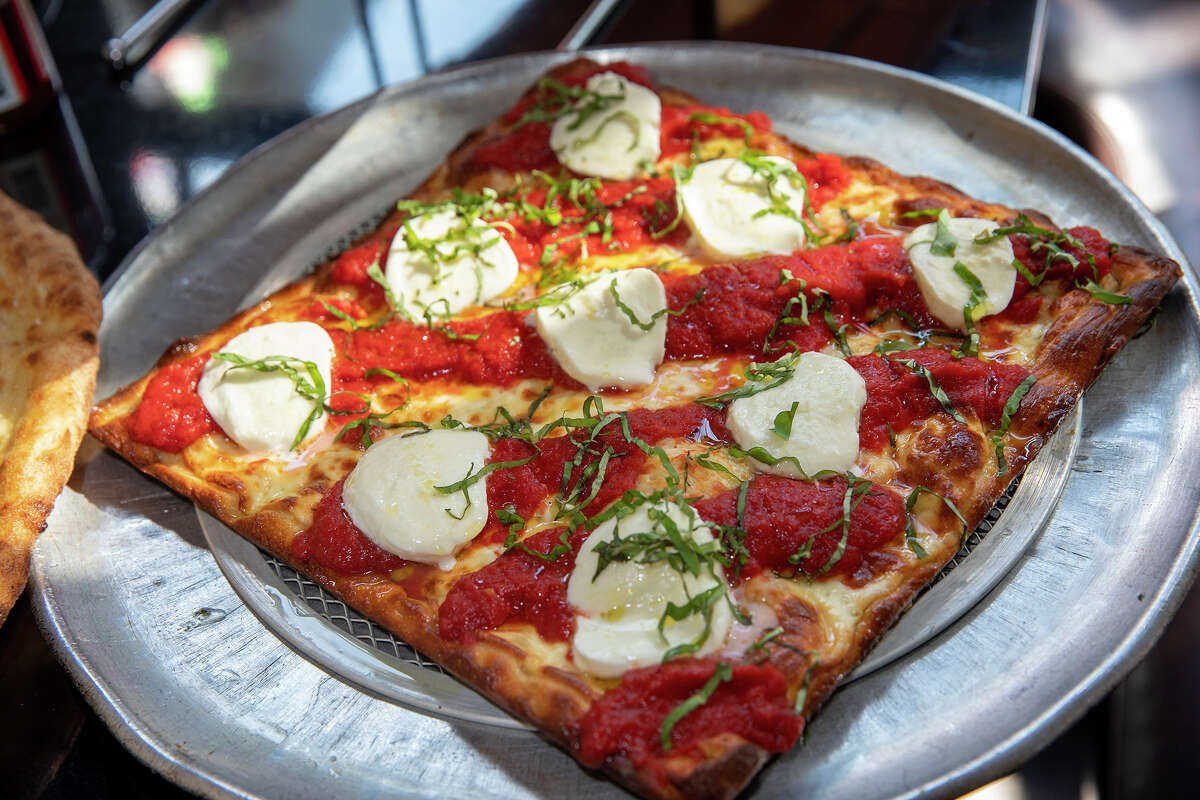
x: 114, y: 112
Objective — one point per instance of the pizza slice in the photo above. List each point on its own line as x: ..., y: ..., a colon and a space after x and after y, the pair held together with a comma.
x: 641, y: 419
x: 50, y: 310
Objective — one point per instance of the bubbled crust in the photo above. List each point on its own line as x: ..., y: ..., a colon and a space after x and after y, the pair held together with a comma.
x: 49, y: 316
x: 1085, y: 334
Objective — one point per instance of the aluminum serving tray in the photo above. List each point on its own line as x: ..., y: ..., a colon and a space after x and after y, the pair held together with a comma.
x: 191, y: 681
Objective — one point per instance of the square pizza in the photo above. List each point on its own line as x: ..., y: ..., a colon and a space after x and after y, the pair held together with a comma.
x: 641, y: 419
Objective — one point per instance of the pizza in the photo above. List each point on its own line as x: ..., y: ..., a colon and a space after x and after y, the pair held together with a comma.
x: 641, y: 419
x: 49, y: 316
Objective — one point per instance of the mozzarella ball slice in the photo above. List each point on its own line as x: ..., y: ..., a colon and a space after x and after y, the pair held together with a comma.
x: 473, y: 265
x: 262, y: 411
x: 612, y: 133
x: 720, y: 202
x: 391, y: 494
x: 619, y: 609
x: 828, y: 395
x: 945, y: 292
x: 595, y: 341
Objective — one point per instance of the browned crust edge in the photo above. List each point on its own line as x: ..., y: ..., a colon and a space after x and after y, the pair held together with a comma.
x: 1085, y: 336
x: 61, y: 353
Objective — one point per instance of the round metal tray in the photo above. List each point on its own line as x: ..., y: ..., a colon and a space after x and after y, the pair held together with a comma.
x: 190, y: 680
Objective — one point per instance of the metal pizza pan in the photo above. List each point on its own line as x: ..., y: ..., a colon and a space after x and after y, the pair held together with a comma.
x: 192, y: 682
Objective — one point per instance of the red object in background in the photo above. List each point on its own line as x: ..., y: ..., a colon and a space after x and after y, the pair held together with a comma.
x: 28, y: 79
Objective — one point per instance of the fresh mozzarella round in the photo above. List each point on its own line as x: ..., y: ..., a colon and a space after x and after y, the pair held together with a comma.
x: 945, y: 292
x: 612, y: 131
x: 619, y: 608
x: 262, y: 411
x: 720, y: 203
x: 391, y: 494
x: 827, y: 394
x: 594, y: 339
x: 474, y: 264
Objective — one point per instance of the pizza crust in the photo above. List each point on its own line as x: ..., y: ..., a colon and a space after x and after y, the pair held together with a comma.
x: 1085, y: 334
x: 50, y: 310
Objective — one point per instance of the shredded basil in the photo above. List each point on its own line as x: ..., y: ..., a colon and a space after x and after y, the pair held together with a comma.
x: 778, y: 202
x: 721, y: 672
x: 474, y: 477
x: 342, y: 315
x: 759, y: 378
x: 657, y: 315
x: 627, y: 117
x: 1010, y: 408
x: 936, y: 390
x: 1042, y: 239
x: 910, y: 534
x: 1032, y: 279
x: 944, y: 243
x: 1100, y: 293
x: 716, y: 119
x: 311, y: 388
x: 838, y: 331
x: 783, y: 421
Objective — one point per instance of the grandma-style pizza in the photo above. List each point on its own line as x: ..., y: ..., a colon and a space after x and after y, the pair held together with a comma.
x: 640, y: 419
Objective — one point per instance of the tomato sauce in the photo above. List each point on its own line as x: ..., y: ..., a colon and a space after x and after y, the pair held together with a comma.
x: 506, y: 589
x: 335, y: 543
x: 742, y: 302
x: 897, y: 395
x: 677, y: 126
x: 1060, y: 268
x: 517, y: 587
x: 639, y: 211
x: 782, y: 515
x: 171, y: 414
x: 528, y: 147
x: 627, y: 719
x: 352, y: 265
x: 506, y: 350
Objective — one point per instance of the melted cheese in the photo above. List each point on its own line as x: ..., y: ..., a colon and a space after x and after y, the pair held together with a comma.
x: 392, y: 496
x: 620, y: 608
x: 473, y: 264
x: 944, y: 290
x: 728, y: 209
x: 262, y: 411
x: 613, y: 131
x: 824, y: 397
x: 597, y: 342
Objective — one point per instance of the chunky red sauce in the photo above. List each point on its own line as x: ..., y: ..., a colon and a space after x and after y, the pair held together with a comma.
x: 678, y: 127
x: 528, y: 147
x: 337, y: 544
x: 507, y: 350
x: 1060, y: 268
x: 627, y: 719
x: 516, y: 587
x: 504, y: 590
x: 352, y: 265
x: 742, y: 302
x: 171, y: 415
x: 782, y: 515
x: 638, y: 211
x: 896, y: 395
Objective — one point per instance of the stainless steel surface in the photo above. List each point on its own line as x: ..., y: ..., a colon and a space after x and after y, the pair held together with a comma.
x: 195, y: 686
x: 338, y: 639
